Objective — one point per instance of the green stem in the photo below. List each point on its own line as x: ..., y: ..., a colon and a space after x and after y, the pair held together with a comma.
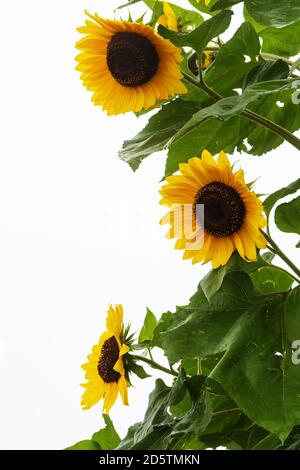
x: 264, y: 55
x: 277, y: 251
x: 155, y: 365
x: 199, y: 366
x: 150, y: 353
x: 229, y: 410
x: 282, y: 269
x: 251, y: 115
x: 267, y: 56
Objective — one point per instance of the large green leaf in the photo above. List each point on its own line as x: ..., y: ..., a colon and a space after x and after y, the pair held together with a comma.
x: 226, y: 108
x: 231, y: 67
x: 249, y: 329
x: 273, y: 198
x: 213, y: 134
x: 217, y: 127
x: 263, y: 383
x: 276, y: 107
x: 204, y: 328
x: 199, y: 37
x: 276, y: 13
x: 287, y: 216
x: 160, y: 128
x: 282, y: 41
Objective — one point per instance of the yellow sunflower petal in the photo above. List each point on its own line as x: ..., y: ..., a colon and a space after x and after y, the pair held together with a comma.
x: 233, y: 215
x: 110, y: 396
x: 117, y: 88
x: 123, y: 390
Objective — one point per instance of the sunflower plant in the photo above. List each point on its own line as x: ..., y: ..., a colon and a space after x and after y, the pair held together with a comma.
x: 231, y: 374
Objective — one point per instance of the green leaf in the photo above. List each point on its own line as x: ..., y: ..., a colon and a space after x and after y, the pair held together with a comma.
x: 249, y: 330
x: 225, y: 4
x: 268, y: 280
x: 282, y: 41
x: 85, y: 445
x: 230, y: 66
x: 156, y: 424
x: 200, y: 5
x: 264, y: 384
x: 186, y: 18
x: 204, y: 329
x: 213, y: 281
x: 269, y: 70
x: 212, y: 134
x: 296, y: 65
x: 271, y: 200
x: 107, y: 438
x: 287, y: 216
x: 150, y: 323
x: 160, y: 128
x: 198, y: 418
x: 138, y: 370
x: 128, y: 441
x: 162, y: 325
x: 178, y: 390
x: 276, y: 13
x: 224, y: 110
x: 199, y: 37
x: 268, y: 256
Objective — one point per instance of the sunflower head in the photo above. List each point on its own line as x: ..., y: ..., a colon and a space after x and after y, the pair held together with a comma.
x: 169, y: 18
x: 213, y: 211
x: 105, y: 370
x: 127, y: 66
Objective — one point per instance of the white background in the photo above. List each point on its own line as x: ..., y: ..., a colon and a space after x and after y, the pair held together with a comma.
x: 78, y: 229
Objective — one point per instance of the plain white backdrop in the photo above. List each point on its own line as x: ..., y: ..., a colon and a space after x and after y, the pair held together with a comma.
x: 78, y: 229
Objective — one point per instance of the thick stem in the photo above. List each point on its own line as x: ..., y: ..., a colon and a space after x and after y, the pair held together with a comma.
x: 155, y: 365
x: 251, y: 115
x: 277, y: 251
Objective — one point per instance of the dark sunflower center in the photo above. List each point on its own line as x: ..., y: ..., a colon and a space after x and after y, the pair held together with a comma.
x: 108, y: 357
x: 132, y: 59
x: 224, y: 210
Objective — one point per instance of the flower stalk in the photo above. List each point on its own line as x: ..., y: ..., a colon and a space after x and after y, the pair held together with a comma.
x: 251, y: 115
x: 155, y: 365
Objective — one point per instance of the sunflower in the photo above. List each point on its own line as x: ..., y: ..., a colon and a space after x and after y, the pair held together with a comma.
x: 233, y: 215
x: 207, y: 59
x: 169, y: 18
x: 105, y: 369
x: 126, y: 65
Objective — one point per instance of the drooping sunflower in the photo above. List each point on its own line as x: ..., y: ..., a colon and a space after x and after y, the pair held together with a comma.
x: 232, y: 214
x: 105, y: 370
x: 169, y: 18
x: 127, y: 66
